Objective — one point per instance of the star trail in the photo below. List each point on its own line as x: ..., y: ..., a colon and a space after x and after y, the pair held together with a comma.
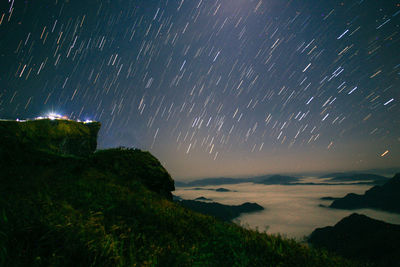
x: 224, y: 87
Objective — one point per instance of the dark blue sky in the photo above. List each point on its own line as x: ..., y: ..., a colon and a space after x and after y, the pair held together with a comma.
x: 225, y: 87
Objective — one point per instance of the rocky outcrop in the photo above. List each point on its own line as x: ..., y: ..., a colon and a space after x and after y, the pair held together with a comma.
x: 55, y: 145
x: 135, y: 165
x: 65, y: 137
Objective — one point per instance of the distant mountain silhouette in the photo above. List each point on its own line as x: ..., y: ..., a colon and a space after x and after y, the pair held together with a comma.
x: 379, y: 171
x: 202, y: 199
x: 278, y: 179
x: 221, y: 189
x: 358, y: 177
x: 264, y: 179
x: 385, y: 197
x: 214, y: 181
x: 334, y: 174
x: 334, y: 184
x: 360, y: 237
x: 269, y: 180
x: 218, y: 210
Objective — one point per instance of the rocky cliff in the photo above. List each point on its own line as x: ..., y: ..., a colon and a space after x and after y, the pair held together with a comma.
x: 46, y: 144
x: 64, y: 137
x: 135, y: 165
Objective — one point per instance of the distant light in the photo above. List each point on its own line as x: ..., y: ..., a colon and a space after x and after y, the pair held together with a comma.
x: 53, y: 116
x: 87, y: 121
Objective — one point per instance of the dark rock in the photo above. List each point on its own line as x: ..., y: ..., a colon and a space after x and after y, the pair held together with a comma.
x: 135, y: 165
x: 360, y: 237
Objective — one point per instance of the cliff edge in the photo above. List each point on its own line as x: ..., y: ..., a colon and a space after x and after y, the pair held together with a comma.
x: 64, y: 137
x: 48, y: 144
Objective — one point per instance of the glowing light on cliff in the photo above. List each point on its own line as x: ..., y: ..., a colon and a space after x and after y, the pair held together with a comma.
x: 53, y: 116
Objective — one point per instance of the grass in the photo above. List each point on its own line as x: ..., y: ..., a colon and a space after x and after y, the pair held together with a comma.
x: 70, y: 211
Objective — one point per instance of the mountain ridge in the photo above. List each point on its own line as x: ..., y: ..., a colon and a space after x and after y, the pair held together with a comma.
x: 384, y: 197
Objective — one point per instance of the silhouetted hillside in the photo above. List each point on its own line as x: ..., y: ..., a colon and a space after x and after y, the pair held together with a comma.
x: 113, y: 208
x: 358, y: 177
x: 360, y: 237
x: 278, y: 179
x: 385, y: 197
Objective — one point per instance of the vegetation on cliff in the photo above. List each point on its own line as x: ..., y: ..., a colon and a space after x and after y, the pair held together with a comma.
x: 58, y: 136
x: 112, y: 208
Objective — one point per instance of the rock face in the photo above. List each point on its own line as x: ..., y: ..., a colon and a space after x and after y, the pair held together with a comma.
x: 135, y: 165
x: 64, y: 137
x: 385, y: 197
x: 358, y: 236
x: 70, y: 146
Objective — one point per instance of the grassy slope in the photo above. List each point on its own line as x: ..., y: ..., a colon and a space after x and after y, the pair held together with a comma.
x: 64, y: 211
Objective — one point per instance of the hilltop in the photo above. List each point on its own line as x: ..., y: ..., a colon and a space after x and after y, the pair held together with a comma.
x: 358, y: 236
x: 64, y: 204
x: 64, y: 137
x: 385, y: 197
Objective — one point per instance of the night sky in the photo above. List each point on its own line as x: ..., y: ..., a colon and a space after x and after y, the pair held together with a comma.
x: 212, y: 88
